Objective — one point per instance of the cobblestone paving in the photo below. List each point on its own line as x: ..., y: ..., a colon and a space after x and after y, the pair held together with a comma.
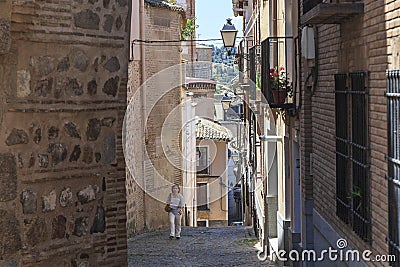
x: 225, y: 246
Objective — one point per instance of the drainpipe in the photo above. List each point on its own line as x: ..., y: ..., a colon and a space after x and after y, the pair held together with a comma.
x: 142, y: 79
x: 274, y: 18
x: 273, y: 27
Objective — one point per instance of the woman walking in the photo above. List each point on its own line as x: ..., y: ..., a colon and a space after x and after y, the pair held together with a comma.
x: 175, y: 199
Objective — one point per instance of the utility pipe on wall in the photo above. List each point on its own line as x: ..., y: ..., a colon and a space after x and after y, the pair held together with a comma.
x: 142, y: 96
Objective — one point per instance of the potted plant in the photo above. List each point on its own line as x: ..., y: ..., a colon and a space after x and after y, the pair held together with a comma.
x: 281, y: 86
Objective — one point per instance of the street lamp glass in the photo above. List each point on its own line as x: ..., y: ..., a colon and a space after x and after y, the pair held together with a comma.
x: 228, y: 34
x: 226, y: 102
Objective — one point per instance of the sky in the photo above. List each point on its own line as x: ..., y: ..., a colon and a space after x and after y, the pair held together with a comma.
x: 211, y: 16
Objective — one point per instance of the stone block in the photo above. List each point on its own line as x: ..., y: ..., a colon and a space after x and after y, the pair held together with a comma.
x: 16, y: 137
x: 99, y: 223
x: 71, y: 130
x: 49, y: 201
x: 108, y: 23
x: 44, y: 87
x: 93, y: 129
x: 29, y: 201
x: 8, y: 177
x: 58, y: 153
x: 111, y: 86
x: 63, y: 65
x: 118, y: 23
x: 75, y: 154
x: 109, y: 148
x: 23, y: 83
x: 96, y: 65
x: 80, y: 60
x: 108, y: 122
x: 43, y: 160
x: 87, y: 194
x: 66, y: 197
x: 53, y: 132
x: 97, y: 157
x: 81, y: 226
x: 73, y: 87
x: 87, y: 156
x: 37, y: 232
x: 10, y: 233
x: 5, y: 36
x: 112, y: 65
x: 59, y: 88
x: 37, y: 136
x: 42, y: 66
x: 87, y: 19
x: 31, y: 160
x: 92, y: 87
x: 59, y: 227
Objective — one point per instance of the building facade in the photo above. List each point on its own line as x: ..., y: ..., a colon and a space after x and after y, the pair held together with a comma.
x: 336, y: 159
x: 154, y: 164
x: 211, y: 173
x: 352, y: 158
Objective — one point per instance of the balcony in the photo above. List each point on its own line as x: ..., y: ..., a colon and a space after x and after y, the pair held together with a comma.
x: 277, y: 72
x: 321, y: 12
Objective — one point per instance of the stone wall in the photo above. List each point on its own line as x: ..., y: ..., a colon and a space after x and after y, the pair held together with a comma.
x: 145, y: 209
x: 63, y: 69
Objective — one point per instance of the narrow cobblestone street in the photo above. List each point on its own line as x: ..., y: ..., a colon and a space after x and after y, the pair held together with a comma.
x: 225, y: 246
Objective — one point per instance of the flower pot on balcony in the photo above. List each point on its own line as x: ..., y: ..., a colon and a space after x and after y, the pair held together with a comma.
x: 279, y: 96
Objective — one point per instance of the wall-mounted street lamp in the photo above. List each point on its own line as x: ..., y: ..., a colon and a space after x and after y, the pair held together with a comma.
x: 226, y: 102
x: 228, y: 34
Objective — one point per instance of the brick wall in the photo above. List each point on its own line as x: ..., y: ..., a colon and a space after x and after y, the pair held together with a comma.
x: 63, y: 69
x: 155, y: 166
x: 362, y: 43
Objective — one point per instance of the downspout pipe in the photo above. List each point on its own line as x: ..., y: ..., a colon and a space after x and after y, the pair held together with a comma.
x: 142, y: 96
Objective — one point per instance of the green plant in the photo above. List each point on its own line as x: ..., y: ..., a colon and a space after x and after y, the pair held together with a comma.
x: 356, y: 195
x: 172, y: 2
x: 258, y: 81
x: 280, y: 81
x: 189, y: 31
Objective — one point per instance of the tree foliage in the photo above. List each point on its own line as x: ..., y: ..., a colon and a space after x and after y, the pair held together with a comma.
x: 224, y: 68
x: 189, y: 31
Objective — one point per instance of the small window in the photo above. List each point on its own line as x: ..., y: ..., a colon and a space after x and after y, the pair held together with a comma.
x: 202, y: 223
x: 202, y: 160
x: 202, y: 196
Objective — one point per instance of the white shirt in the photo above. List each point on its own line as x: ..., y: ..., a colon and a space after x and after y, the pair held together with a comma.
x: 175, y: 202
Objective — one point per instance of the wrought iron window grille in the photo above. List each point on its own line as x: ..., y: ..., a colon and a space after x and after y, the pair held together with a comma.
x: 393, y: 161
x: 353, y: 187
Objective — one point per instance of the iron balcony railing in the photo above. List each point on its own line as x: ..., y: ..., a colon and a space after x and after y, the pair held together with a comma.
x: 277, y: 72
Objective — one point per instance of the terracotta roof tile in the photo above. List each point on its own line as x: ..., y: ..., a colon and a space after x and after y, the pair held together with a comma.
x: 207, y: 129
